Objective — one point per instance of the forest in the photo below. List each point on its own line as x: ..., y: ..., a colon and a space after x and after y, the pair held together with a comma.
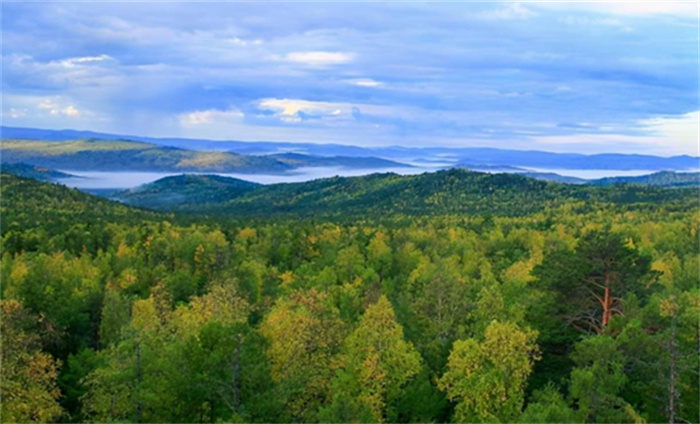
x: 453, y: 297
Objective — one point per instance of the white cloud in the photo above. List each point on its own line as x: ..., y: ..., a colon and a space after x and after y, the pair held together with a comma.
x: 78, y: 61
x: 596, y: 22
x: 71, y: 111
x: 291, y: 110
x: 60, y: 108
x: 685, y: 9
x: 211, y: 116
x: 319, y: 58
x: 666, y: 135
x: 680, y: 131
x: 365, y: 82
x: 241, y: 42
x: 337, y: 113
x: 17, y: 113
x: 512, y: 11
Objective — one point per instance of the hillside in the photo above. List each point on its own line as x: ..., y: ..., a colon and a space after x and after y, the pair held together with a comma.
x: 355, y: 162
x: 444, y: 192
x: 172, y: 192
x: 127, y: 155
x: 551, y: 176
x: 27, y: 203
x: 659, y: 179
x: 38, y: 173
x: 104, y: 291
x: 122, y: 155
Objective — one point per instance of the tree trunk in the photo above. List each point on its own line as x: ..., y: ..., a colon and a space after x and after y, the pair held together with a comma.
x: 607, y: 303
x: 236, y: 366
x: 672, y: 348
x: 138, y: 381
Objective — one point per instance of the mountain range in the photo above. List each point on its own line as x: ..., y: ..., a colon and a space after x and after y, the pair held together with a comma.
x: 128, y: 155
x: 432, y: 156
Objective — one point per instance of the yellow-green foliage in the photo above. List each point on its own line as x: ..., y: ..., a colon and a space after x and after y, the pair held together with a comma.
x: 54, y: 148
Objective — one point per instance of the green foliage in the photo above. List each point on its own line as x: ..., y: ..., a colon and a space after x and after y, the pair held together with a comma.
x: 32, y: 171
x: 486, y: 378
x: 29, y: 389
x: 549, y: 406
x: 446, y: 192
x: 662, y: 179
x: 171, y: 192
x: 427, y: 299
x: 377, y: 363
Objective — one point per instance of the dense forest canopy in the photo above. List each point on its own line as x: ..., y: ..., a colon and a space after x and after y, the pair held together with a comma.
x: 454, y: 191
x: 449, y: 297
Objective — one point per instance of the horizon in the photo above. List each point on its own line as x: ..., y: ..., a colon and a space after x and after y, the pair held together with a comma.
x: 585, y: 78
x: 136, y: 138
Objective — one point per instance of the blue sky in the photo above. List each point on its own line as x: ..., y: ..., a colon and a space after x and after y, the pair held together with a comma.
x: 565, y: 77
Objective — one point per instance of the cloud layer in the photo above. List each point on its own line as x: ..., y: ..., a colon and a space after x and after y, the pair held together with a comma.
x: 584, y: 77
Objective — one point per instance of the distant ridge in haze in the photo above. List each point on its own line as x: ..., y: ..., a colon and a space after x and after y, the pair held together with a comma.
x: 449, y: 155
x: 658, y: 179
x: 128, y: 155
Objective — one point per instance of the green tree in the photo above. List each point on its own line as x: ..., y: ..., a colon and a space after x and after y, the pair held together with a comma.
x: 486, y: 378
x: 597, y: 381
x: 377, y: 364
x: 28, y: 384
x: 303, y: 334
x: 549, y: 406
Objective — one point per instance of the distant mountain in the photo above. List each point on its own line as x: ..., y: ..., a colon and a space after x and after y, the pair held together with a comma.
x: 659, y: 179
x: 119, y: 155
x: 455, y: 155
x: 443, y: 192
x: 171, y: 192
x: 128, y: 155
x: 542, y: 176
x: 489, y: 168
x: 299, y: 160
x: 38, y: 173
x: 554, y: 177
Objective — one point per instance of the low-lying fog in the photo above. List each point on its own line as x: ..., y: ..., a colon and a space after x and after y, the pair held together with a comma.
x: 124, y: 180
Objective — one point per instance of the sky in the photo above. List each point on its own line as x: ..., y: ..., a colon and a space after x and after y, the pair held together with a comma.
x: 554, y: 76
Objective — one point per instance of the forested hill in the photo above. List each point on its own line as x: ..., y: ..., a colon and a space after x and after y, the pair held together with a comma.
x: 115, y: 314
x: 129, y: 155
x: 660, y: 179
x: 445, y: 192
x: 187, y: 189
x: 42, y: 211
x: 33, y: 171
x: 122, y: 155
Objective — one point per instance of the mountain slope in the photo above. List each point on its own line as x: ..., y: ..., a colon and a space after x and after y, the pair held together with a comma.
x: 470, y: 155
x: 123, y: 155
x: 172, y: 192
x: 659, y: 179
x: 32, y: 171
x: 127, y: 155
x: 444, y: 192
x: 551, y: 176
x: 26, y: 203
x: 355, y: 162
